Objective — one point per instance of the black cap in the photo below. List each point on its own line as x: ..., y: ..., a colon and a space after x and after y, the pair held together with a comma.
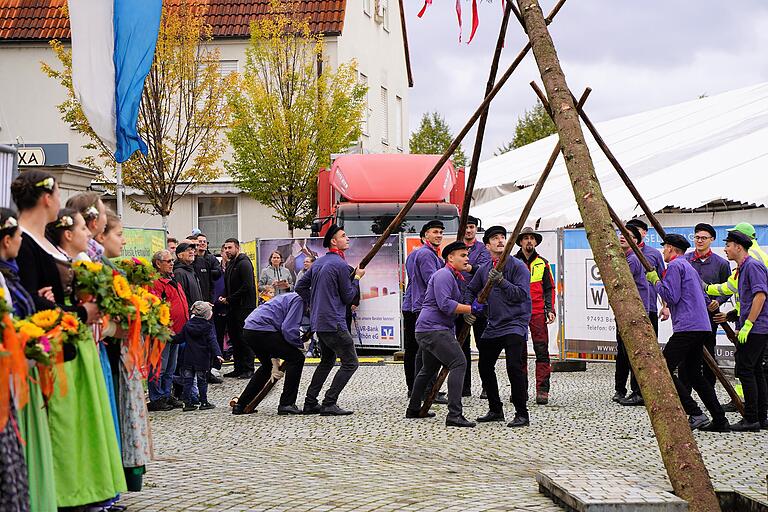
x: 739, y: 238
x: 429, y: 225
x: 638, y: 224
x: 473, y: 220
x: 183, y: 246
x: 330, y: 234
x: 492, y: 231
x: 678, y: 241
x: 636, y: 232
x: 703, y: 226
x: 453, y: 246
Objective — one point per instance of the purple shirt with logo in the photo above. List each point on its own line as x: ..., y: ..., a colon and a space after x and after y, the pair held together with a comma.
x: 681, y: 289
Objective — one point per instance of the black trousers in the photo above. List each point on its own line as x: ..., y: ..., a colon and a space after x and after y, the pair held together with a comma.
x: 331, y: 344
x: 220, y: 324
x: 267, y: 345
x: 623, y: 369
x: 410, y: 347
x: 709, y: 376
x: 477, y: 329
x: 750, y: 357
x: 242, y: 354
x: 516, y: 352
x: 687, y: 347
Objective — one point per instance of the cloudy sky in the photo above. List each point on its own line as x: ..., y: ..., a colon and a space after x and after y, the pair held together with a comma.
x: 636, y: 55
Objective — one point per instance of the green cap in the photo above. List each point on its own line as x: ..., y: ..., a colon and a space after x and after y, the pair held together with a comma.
x: 746, y: 228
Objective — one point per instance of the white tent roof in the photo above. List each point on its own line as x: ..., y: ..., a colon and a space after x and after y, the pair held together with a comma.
x: 685, y: 156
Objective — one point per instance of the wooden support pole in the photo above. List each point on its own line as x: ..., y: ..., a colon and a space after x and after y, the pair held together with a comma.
x: 481, y: 126
x: 680, y: 454
x: 483, y: 295
x: 452, y: 147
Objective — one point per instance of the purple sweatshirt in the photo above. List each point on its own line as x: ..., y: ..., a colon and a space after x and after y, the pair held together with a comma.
x: 655, y: 258
x: 712, y: 270
x: 638, y: 274
x: 420, y: 265
x: 328, y: 289
x: 509, y: 304
x: 753, y: 279
x: 281, y: 314
x: 440, y: 301
x: 478, y: 256
x: 681, y: 289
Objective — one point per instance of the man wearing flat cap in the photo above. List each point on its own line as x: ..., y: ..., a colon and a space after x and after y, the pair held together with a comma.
x: 681, y: 290
x: 478, y: 256
x: 752, y: 323
x: 419, y: 266
x: 508, y: 310
x: 654, y: 257
x: 436, y: 336
x: 328, y: 289
x: 543, y: 311
x: 712, y: 268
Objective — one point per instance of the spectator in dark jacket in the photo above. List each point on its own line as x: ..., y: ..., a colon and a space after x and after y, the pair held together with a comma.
x: 185, y: 274
x: 199, y: 352
x: 206, y: 267
x: 240, y: 296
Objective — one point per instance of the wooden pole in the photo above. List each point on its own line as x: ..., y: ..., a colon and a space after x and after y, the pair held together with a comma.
x: 680, y: 454
x: 483, y: 295
x: 452, y: 147
x: 481, y: 126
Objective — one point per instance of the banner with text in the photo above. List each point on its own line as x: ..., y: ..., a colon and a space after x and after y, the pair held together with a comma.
x: 143, y: 242
x: 590, y: 327
x: 376, y: 322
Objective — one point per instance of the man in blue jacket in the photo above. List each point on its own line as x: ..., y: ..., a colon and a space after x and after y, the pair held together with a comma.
x: 420, y: 265
x: 272, y: 332
x: 681, y: 290
x: 435, y: 333
x: 508, y: 311
x: 328, y: 288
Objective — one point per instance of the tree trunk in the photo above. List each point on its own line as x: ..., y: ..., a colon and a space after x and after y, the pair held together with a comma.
x: 679, y: 452
x: 165, y: 224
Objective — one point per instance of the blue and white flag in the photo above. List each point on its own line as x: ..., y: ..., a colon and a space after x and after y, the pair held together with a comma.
x: 113, y: 45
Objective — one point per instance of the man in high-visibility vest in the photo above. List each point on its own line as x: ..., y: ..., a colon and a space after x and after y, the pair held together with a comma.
x: 543, y: 311
x: 731, y: 287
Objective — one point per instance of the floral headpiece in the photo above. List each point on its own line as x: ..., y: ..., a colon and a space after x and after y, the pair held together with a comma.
x: 91, y: 212
x: 47, y: 184
x: 65, y: 222
x: 10, y: 222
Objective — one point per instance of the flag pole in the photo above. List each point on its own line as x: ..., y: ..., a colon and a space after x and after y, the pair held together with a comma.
x: 120, y: 188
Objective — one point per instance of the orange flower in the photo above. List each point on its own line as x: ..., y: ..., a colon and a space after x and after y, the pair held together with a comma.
x: 70, y: 323
x: 121, y: 287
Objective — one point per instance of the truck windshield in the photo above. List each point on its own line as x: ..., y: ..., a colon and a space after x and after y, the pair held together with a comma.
x: 377, y: 224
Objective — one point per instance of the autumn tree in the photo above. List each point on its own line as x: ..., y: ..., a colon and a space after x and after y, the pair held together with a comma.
x: 287, y: 117
x: 433, y: 137
x: 535, y: 124
x: 182, y: 113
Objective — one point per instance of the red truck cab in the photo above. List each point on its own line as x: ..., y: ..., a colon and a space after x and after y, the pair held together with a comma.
x: 363, y: 193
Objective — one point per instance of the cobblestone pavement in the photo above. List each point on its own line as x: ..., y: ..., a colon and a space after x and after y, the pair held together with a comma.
x: 378, y: 460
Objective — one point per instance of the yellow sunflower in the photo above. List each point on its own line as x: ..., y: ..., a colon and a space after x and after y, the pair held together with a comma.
x: 143, y: 260
x: 94, y: 267
x: 121, y: 287
x: 143, y: 305
x: 31, y: 330
x: 45, y: 319
x: 164, y: 314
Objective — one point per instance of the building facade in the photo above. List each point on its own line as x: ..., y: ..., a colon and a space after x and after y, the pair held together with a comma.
x: 372, y: 32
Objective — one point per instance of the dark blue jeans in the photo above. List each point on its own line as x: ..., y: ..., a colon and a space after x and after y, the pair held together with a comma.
x: 188, y: 376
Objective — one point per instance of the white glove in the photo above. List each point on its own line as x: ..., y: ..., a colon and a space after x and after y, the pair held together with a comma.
x: 469, y: 318
x: 276, y: 373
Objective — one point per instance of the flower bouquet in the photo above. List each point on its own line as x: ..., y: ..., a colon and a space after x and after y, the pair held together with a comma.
x: 138, y: 271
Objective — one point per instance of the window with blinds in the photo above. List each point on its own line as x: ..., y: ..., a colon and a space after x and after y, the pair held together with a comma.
x: 363, y: 80
x: 384, y: 116
x: 399, y: 122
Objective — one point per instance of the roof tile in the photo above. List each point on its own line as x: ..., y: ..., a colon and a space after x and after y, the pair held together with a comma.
x: 44, y: 19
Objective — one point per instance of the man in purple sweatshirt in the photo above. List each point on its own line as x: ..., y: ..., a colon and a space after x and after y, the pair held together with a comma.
x: 272, y: 332
x: 435, y: 333
x: 623, y: 369
x: 681, y: 290
x: 420, y: 265
x: 654, y: 257
x: 328, y: 288
x: 509, y: 312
